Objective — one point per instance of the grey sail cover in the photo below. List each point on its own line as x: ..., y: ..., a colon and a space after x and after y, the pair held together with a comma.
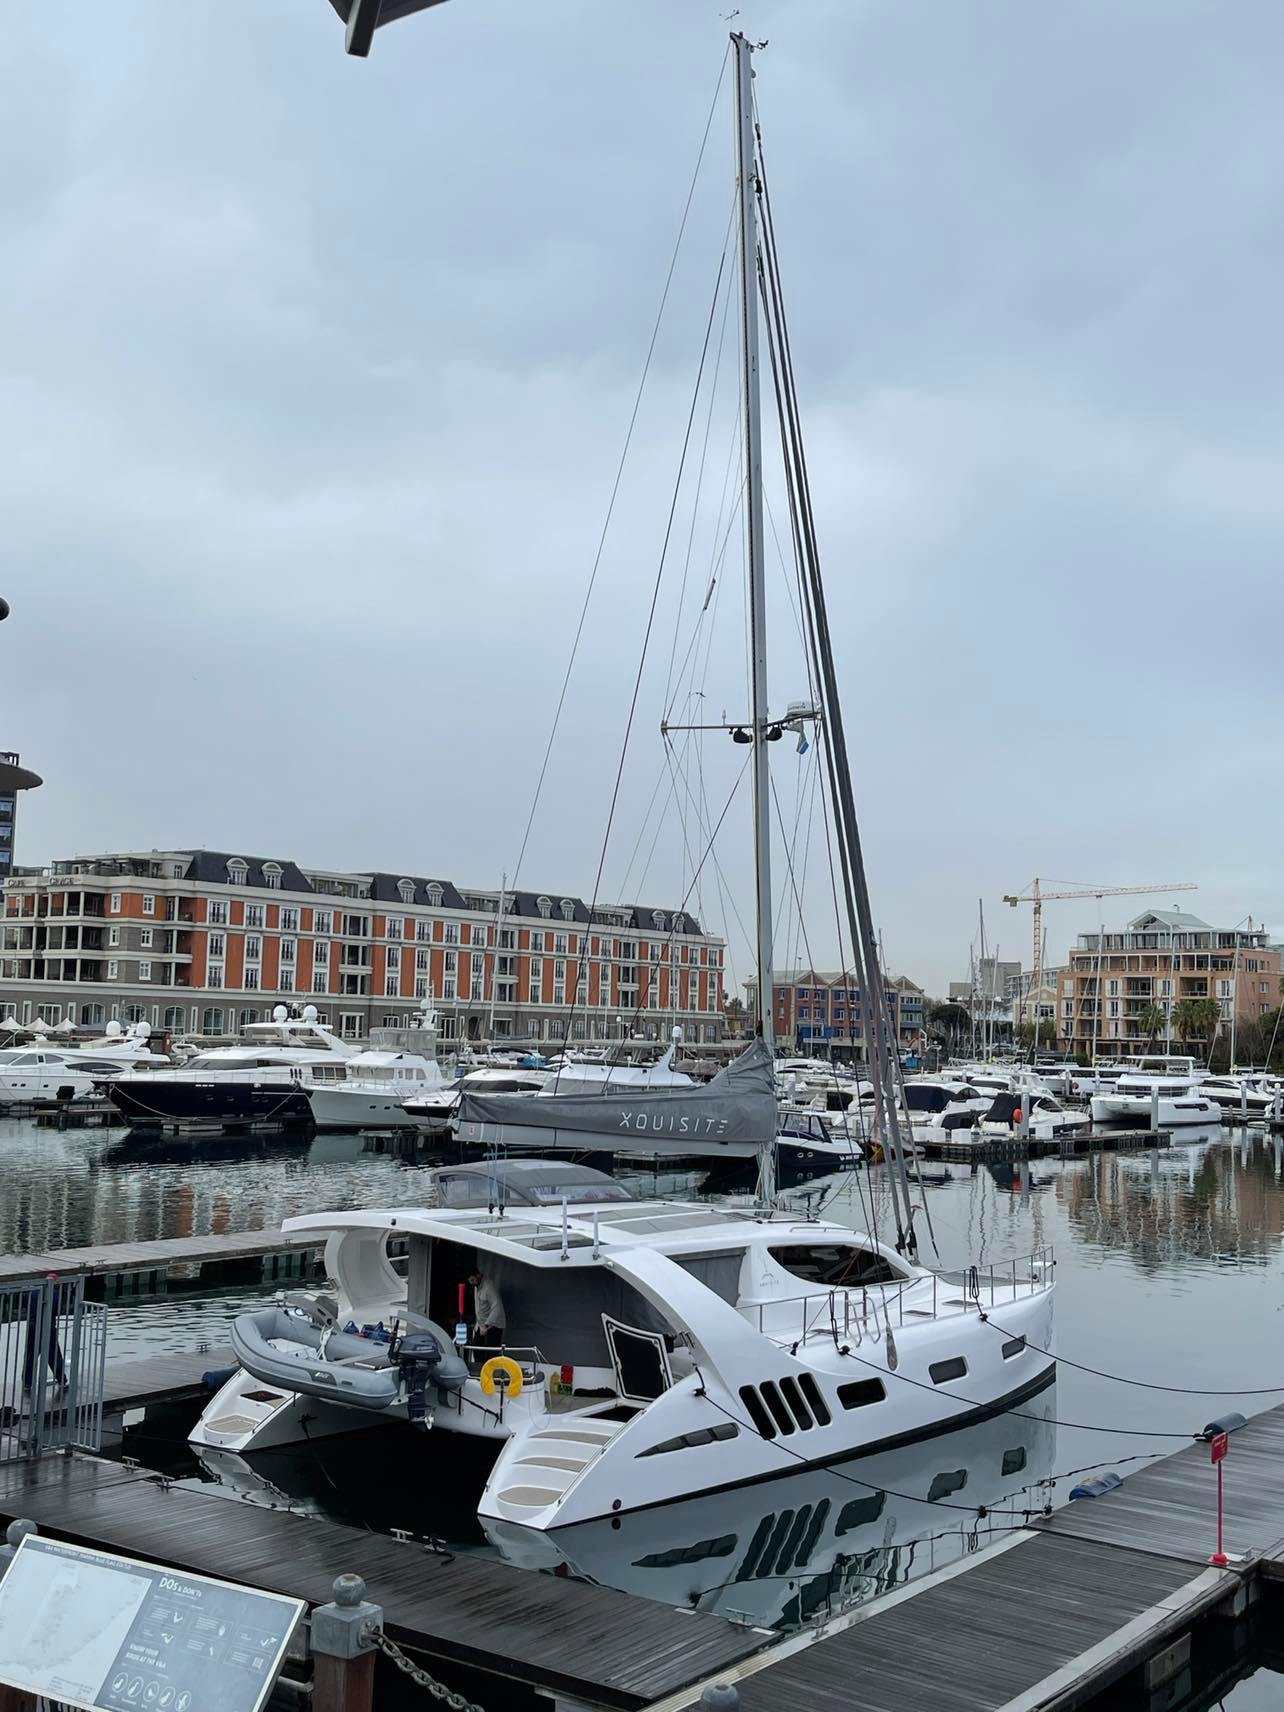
x: 738, y: 1105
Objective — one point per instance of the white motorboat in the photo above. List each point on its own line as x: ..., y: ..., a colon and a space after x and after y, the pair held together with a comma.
x: 1029, y: 1113
x: 1251, y: 1096
x: 936, y: 1103
x: 1166, y: 1101
x: 373, y: 1091
x: 267, y: 1076
x: 654, y: 1350
x: 433, y: 1109
x: 38, y: 1073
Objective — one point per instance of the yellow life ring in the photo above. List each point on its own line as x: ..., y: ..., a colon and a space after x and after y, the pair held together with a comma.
x: 501, y: 1372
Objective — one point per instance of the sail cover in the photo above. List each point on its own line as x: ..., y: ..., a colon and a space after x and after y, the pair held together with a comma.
x: 737, y: 1107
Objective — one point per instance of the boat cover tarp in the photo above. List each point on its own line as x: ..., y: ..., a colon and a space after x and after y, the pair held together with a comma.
x: 739, y: 1105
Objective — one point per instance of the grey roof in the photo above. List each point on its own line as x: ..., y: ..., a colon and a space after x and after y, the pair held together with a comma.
x: 1170, y: 918
x: 527, y: 904
x: 210, y: 866
x: 386, y: 888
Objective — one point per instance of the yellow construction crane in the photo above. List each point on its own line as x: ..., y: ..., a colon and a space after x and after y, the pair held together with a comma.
x: 1038, y: 897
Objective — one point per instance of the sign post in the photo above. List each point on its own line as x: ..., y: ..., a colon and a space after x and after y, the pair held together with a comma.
x: 1218, y: 1446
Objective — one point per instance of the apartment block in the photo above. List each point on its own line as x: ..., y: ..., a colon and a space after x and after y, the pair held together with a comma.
x: 202, y: 941
x: 1161, y: 958
x: 822, y: 1008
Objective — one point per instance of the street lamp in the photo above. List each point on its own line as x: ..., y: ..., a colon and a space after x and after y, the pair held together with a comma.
x: 619, y: 1023
x: 363, y: 18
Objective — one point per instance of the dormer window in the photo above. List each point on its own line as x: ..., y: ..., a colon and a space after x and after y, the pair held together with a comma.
x: 544, y: 906
x: 272, y: 875
x: 237, y: 869
x: 679, y: 924
x: 433, y: 893
x: 657, y: 916
x: 568, y: 910
x: 406, y: 888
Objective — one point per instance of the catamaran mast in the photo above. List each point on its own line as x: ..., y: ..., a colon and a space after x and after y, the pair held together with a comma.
x: 748, y: 185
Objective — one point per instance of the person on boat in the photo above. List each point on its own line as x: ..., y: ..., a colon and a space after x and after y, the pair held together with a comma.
x: 488, y: 1309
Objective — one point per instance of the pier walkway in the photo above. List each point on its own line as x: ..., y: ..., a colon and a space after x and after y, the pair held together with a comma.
x: 1049, y: 1618
x: 102, y: 1260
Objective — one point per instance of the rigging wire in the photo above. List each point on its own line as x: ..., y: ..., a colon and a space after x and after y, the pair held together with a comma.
x: 1149, y: 1384
x: 619, y: 472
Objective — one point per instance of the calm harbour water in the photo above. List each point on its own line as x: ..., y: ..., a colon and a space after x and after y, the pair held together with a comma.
x: 1169, y: 1271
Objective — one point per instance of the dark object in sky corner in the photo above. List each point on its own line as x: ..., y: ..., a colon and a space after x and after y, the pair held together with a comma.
x: 4, y: 609
x: 363, y: 18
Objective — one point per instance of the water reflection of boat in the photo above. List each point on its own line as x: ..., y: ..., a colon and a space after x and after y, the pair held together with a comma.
x: 149, y: 1147
x: 816, y: 1541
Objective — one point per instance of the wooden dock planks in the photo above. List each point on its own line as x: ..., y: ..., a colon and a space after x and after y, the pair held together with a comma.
x: 176, y: 1378
x: 591, y: 1643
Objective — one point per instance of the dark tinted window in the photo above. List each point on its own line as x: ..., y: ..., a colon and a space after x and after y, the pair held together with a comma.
x: 857, y: 1393
x: 954, y: 1367
x: 835, y: 1264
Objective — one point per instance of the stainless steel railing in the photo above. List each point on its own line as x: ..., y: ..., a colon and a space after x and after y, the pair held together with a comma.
x: 53, y: 1365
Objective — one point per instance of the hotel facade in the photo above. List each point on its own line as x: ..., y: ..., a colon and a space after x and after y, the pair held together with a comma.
x: 197, y: 941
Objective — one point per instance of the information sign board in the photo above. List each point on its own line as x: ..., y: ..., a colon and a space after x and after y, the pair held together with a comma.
x: 1220, y: 1445
x: 99, y: 1631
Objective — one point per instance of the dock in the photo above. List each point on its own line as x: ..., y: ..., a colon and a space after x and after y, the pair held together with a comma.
x: 567, y: 1638
x: 1105, y: 1589
x: 134, y: 1267
x: 1071, y: 1145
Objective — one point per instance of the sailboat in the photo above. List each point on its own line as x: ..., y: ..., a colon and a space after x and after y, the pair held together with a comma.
x: 655, y: 1350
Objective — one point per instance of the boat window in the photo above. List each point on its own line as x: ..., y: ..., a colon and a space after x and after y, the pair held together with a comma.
x: 859, y: 1513
x: 1014, y: 1460
x: 717, y: 1272
x: 762, y: 1421
x: 858, y: 1393
x: 835, y: 1264
x: 921, y: 1098
x: 1014, y: 1346
x: 688, y: 1441
x: 941, y: 1372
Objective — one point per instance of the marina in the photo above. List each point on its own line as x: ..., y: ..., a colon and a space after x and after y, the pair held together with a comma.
x: 422, y: 1282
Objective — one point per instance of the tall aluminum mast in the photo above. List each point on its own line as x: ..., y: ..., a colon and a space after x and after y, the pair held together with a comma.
x: 748, y: 189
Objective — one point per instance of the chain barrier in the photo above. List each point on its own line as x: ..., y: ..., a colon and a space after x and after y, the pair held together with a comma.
x: 417, y: 1674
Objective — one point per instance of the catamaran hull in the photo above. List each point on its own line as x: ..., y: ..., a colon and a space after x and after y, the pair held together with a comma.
x: 1185, y: 1111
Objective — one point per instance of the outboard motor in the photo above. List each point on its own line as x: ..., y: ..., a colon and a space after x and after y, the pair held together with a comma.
x: 418, y: 1356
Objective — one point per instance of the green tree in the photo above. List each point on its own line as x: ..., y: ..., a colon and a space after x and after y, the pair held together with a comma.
x: 1196, y: 1020
x: 1154, y: 1020
x: 1047, y: 1032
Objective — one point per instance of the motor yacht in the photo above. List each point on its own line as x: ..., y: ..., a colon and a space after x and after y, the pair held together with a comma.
x: 936, y: 1103
x: 1251, y: 1096
x: 36, y: 1073
x: 432, y: 1110
x: 1167, y: 1101
x: 266, y: 1077
x: 653, y: 1350
x: 1029, y: 1113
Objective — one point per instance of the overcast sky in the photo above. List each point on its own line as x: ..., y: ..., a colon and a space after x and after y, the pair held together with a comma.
x: 316, y: 371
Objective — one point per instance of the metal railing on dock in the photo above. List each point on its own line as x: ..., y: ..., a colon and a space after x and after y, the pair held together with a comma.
x: 53, y: 1361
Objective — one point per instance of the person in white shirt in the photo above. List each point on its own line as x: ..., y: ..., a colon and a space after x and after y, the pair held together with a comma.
x: 488, y: 1311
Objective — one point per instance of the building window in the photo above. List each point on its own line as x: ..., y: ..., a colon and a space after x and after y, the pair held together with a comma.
x: 544, y: 906
x: 394, y: 957
x: 114, y: 905
x: 391, y: 986
x: 434, y: 894
x: 394, y: 927
x: 507, y: 940
x: 285, y: 980
x: 479, y: 934
x: 112, y: 969
x: 250, y: 979
x: 321, y: 952
x: 214, y: 975
x: 448, y: 988
x: 254, y: 915
x: 321, y: 921
x: 237, y: 869
x: 421, y: 961
x: 113, y: 936
x: 421, y: 986
x: 272, y: 875
x: 318, y: 980
x: 451, y: 933
x: 287, y: 950
x: 253, y: 948
x: 568, y: 910
x: 145, y: 939
x: 406, y: 891
x: 149, y: 903
x: 218, y: 911
x: 216, y: 944
x: 144, y: 971
x: 289, y: 919
x: 212, y: 1020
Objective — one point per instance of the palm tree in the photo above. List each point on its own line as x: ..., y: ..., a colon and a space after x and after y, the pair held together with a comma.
x: 1196, y: 1019
x: 1153, y: 1020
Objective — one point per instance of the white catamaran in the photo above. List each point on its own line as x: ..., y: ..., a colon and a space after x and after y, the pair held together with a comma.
x: 652, y: 1351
